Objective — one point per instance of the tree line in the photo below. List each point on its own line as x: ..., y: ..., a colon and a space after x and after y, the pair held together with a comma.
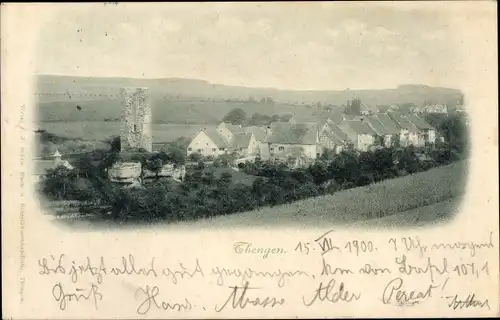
x: 238, y: 116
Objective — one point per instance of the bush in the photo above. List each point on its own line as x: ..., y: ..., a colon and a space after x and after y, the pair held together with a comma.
x: 195, y: 157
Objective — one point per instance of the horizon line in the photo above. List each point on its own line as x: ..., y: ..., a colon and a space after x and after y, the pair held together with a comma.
x: 246, y: 86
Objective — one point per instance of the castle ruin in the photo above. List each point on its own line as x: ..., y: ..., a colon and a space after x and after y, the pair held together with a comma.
x: 136, y: 120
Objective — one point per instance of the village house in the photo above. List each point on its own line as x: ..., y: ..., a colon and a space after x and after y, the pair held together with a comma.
x: 333, y: 138
x: 41, y: 166
x: 320, y: 118
x: 295, y: 144
x: 228, y: 138
x: 260, y: 134
x: 408, y: 131
x: 427, y: 133
x: 359, y: 133
x: 391, y: 129
x: 386, y: 134
x: 330, y: 135
x: 244, y: 144
x: 208, y: 142
x: 228, y: 130
x: 436, y: 108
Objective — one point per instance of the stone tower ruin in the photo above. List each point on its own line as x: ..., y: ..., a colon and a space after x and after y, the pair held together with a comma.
x: 136, y: 120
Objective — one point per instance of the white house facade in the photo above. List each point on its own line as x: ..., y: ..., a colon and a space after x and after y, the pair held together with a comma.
x: 207, y: 143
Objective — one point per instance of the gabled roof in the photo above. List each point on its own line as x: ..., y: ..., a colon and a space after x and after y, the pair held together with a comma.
x: 288, y: 133
x: 258, y: 132
x: 320, y: 118
x: 241, y: 140
x: 336, y: 116
x: 333, y: 137
x: 234, y: 129
x: 216, y: 138
x: 377, y: 125
x: 390, y: 126
x: 57, y: 154
x: 419, y: 122
x: 337, y: 132
x: 360, y: 127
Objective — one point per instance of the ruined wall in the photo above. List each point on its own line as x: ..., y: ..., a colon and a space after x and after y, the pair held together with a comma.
x: 136, y: 120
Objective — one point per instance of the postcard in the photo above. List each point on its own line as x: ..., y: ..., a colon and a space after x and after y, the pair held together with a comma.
x: 249, y: 160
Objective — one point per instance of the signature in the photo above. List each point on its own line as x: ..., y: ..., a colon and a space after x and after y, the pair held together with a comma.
x: 394, y: 289
x: 151, y: 300
x: 457, y: 303
x: 332, y: 294
x: 238, y: 299
x: 63, y: 298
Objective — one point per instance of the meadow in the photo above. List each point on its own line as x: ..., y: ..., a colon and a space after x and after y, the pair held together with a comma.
x: 163, y: 111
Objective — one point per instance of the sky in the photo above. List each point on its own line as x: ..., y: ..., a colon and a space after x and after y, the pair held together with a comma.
x: 313, y: 46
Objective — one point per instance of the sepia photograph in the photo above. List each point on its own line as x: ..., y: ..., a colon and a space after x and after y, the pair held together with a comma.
x: 173, y: 119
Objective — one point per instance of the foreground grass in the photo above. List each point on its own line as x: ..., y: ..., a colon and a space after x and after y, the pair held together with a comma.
x: 422, y: 198
x: 384, y: 199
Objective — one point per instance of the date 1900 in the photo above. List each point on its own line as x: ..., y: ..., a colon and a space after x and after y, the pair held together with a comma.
x: 326, y: 245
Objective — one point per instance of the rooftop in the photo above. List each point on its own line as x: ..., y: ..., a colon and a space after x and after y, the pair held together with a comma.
x: 241, y: 140
x: 216, y: 137
x: 289, y: 133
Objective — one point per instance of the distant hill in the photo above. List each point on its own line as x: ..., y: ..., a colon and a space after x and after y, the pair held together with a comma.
x: 189, y: 88
x: 193, y: 96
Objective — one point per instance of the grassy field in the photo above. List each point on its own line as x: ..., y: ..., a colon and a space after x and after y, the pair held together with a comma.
x: 163, y: 111
x: 425, y: 198
x: 101, y: 130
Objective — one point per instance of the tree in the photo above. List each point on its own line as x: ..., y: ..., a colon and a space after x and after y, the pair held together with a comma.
x: 155, y: 165
x: 319, y: 172
x: 353, y: 107
x: 59, y: 183
x: 195, y: 156
x: 225, y: 180
x: 236, y: 116
x: 270, y: 101
x: 115, y: 144
x: 208, y: 178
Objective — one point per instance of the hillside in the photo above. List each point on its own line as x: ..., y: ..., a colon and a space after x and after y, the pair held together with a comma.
x: 171, y: 95
x: 163, y: 110
x: 427, y: 197
x: 424, y: 198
